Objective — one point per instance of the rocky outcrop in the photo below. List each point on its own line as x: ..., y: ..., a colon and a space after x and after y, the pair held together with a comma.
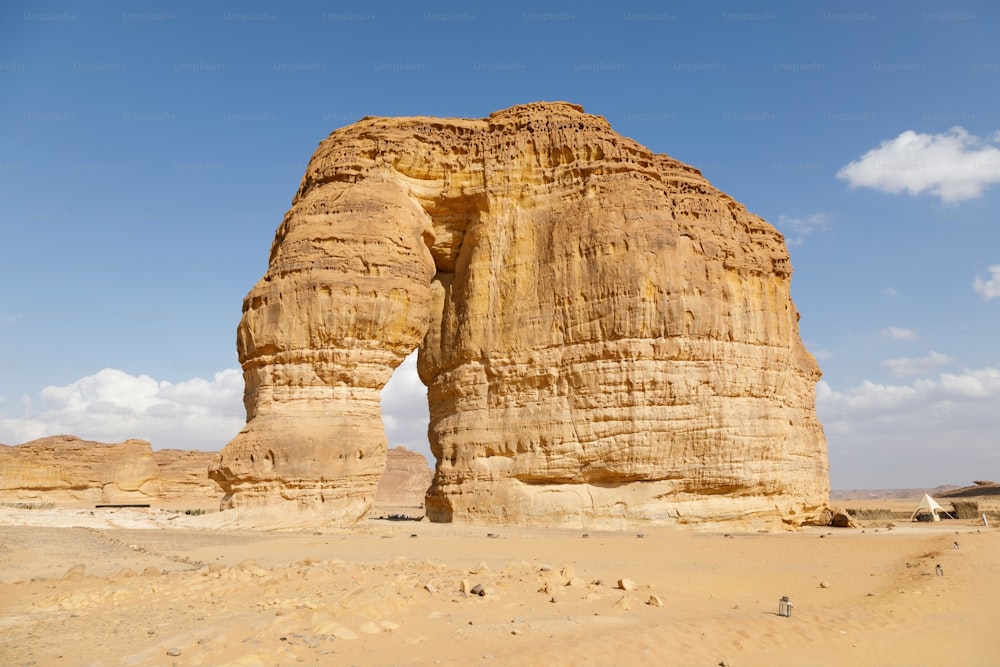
x: 66, y: 470
x: 606, y: 338
x: 183, y: 478
x: 403, y: 485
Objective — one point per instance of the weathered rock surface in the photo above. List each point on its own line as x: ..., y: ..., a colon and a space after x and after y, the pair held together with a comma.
x: 64, y: 469
x: 606, y: 338
x: 405, y: 481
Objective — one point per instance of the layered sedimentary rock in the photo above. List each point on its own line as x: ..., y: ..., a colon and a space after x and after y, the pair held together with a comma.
x: 404, y: 483
x: 64, y: 469
x: 183, y: 478
x: 606, y: 338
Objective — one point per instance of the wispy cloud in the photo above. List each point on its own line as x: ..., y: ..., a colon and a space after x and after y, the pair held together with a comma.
x: 989, y: 288
x: 897, y: 333
x: 904, y: 366
x: 937, y: 430
x: 820, y: 353
x: 953, y: 165
x: 797, y: 229
x: 890, y: 291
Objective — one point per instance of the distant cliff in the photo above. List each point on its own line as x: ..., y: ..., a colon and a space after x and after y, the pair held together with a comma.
x: 404, y: 483
x: 65, y: 470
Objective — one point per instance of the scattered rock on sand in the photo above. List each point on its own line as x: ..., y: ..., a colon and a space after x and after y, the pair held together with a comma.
x: 626, y: 584
x: 842, y: 519
x: 624, y: 604
x: 654, y: 601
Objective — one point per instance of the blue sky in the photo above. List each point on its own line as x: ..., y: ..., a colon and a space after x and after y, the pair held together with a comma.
x: 148, y: 151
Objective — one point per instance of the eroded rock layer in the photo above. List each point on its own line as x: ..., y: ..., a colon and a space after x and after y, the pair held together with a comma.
x: 66, y: 470
x: 403, y: 486
x: 606, y: 338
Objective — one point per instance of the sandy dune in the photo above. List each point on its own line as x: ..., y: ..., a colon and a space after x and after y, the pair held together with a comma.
x: 148, y: 587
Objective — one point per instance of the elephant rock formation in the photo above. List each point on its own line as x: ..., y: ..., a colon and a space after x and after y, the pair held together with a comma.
x: 606, y: 338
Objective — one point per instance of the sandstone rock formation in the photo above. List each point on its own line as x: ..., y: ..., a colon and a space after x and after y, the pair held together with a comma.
x: 403, y: 485
x: 606, y: 338
x: 66, y: 470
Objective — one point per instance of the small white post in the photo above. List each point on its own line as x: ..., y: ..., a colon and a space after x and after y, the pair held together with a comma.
x: 985, y: 522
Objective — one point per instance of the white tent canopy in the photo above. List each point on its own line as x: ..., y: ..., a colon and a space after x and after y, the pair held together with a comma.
x: 931, y: 505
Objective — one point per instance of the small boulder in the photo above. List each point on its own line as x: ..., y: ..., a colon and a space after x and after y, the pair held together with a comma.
x: 842, y: 519
x: 823, y: 519
x: 626, y: 584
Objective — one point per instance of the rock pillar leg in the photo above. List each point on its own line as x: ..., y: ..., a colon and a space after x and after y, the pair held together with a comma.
x: 344, y: 300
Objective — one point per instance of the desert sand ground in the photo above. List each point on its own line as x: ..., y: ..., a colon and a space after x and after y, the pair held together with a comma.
x: 149, y: 587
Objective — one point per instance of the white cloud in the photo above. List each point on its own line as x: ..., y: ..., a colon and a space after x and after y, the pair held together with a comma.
x: 932, y: 431
x: 897, y: 333
x: 988, y: 289
x: 903, y: 366
x: 404, y: 409
x: 953, y: 165
x: 890, y: 291
x: 796, y: 229
x: 112, y: 405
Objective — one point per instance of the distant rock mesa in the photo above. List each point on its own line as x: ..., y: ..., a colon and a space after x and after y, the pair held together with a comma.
x: 66, y: 470
x: 607, y: 340
x: 403, y: 485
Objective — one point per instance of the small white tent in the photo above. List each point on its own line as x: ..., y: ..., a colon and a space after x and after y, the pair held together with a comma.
x: 930, y: 505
